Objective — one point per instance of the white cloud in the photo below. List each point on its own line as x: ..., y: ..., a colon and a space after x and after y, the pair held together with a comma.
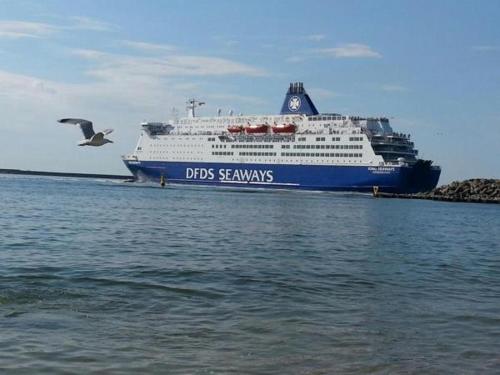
x: 21, y: 29
x: 225, y: 41
x: 485, y: 48
x: 350, y: 50
x: 151, y: 47
x: 296, y: 59
x: 89, y: 54
x: 118, y: 67
x: 86, y: 23
x: 315, y: 37
x: 393, y: 88
x: 25, y: 29
x: 200, y: 65
x: 16, y: 84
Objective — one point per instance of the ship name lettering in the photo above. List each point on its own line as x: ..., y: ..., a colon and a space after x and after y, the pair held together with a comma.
x: 200, y: 173
x: 381, y: 169
x: 245, y: 175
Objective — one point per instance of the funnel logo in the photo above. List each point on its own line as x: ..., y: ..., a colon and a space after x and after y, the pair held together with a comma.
x: 294, y: 103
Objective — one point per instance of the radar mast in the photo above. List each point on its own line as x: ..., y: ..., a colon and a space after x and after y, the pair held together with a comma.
x: 191, y: 105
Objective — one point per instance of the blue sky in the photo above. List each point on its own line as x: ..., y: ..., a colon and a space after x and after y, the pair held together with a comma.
x: 433, y: 67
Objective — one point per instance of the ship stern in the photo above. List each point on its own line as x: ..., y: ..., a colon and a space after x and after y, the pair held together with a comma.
x: 421, y: 177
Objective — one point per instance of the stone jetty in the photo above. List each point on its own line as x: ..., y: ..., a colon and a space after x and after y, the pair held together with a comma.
x: 66, y: 174
x: 477, y: 190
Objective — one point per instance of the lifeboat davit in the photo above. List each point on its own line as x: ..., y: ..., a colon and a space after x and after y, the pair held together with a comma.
x: 235, y: 129
x: 256, y: 129
x: 284, y: 128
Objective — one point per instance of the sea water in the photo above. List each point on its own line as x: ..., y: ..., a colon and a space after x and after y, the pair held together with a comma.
x: 121, y: 278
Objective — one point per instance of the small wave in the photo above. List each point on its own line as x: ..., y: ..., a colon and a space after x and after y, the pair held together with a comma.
x: 490, y: 320
x: 144, y: 285
x: 171, y: 273
x: 14, y: 314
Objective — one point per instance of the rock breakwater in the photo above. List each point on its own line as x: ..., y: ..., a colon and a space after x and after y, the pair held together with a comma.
x: 477, y: 190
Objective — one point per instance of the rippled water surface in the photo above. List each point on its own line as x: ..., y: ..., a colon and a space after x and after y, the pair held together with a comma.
x: 108, y: 277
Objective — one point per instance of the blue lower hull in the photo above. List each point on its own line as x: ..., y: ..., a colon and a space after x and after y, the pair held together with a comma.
x: 394, y: 179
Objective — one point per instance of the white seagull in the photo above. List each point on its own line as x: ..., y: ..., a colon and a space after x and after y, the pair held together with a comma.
x: 91, y: 138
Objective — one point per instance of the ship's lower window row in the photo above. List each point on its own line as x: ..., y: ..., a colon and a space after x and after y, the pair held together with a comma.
x: 327, y: 118
x: 342, y: 147
x: 322, y: 155
x: 222, y: 153
x: 257, y: 153
x: 252, y: 146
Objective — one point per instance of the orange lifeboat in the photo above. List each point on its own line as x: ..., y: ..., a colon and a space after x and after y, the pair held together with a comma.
x: 235, y: 129
x: 284, y: 128
x: 257, y: 129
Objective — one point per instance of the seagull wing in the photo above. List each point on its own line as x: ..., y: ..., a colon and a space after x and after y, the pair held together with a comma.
x: 98, y: 137
x: 107, y: 131
x: 85, y: 125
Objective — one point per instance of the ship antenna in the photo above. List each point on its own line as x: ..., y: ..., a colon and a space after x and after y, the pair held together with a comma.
x: 191, y: 105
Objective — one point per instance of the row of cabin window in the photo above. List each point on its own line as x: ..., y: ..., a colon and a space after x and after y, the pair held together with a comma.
x: 196, y: 125
x: 234, y: 120
x: 252, y: 146
x: 355, y: 139
x: 341, y: 147
x: 321, y: 155
x: 266, y: 138
x: 218, y: 146
x: 163, y: 145
x: 257, y: 154
x: 320, y: 139
x: 327, y: 118
x: 222, y: 153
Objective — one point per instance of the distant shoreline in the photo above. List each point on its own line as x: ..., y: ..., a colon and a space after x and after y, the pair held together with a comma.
x: 65, y: 174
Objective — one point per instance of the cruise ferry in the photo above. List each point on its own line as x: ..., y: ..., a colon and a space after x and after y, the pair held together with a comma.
x: 299, y: 148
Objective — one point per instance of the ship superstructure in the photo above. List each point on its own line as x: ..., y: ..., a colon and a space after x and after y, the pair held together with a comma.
x: 299, y: 148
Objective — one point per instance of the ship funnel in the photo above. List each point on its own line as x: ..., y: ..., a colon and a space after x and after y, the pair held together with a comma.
x: 297, y: 101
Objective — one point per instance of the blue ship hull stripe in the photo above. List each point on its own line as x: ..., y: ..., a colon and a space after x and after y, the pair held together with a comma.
x: 311, y: 177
